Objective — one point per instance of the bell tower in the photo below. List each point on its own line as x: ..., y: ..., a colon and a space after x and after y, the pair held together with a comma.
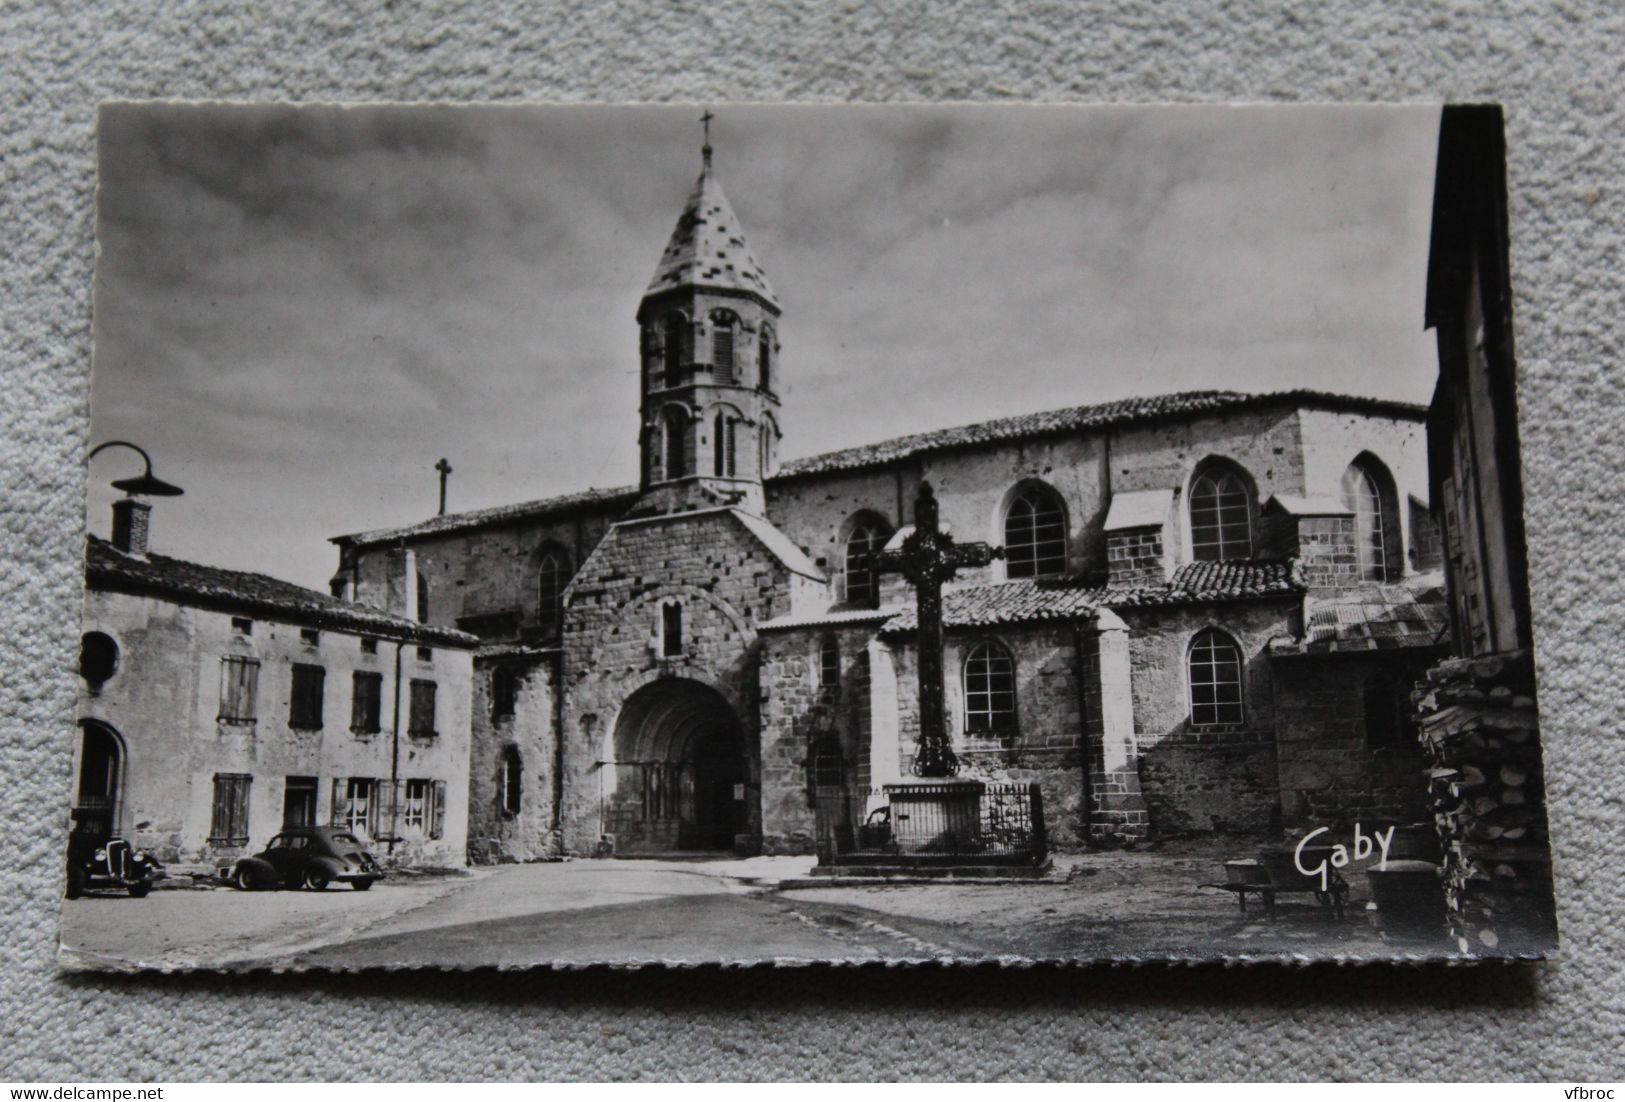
x: 710, y: 362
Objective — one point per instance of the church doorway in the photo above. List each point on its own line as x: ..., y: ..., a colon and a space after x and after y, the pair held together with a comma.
x: 680, y: 778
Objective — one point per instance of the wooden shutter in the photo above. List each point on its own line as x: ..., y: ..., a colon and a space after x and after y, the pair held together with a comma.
x: 335, y: 813
x: 220, y: 817
x: 437, y: 812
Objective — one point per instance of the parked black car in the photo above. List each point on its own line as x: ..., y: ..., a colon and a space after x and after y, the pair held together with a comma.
x: 95, y: 862
x: 309, y: 857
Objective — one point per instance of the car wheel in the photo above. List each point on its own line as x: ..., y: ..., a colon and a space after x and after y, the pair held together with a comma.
x: 76, y: 881
x: 315, y: 879
x: 246, y: 879
x: 361, y: 885
x: 139, y: 889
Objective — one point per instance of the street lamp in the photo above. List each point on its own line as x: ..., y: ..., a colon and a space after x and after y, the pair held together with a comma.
x: 147, y: 485
x: 131, y: 514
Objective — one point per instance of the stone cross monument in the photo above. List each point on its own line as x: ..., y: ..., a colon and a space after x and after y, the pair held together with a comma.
x: 927, y: 558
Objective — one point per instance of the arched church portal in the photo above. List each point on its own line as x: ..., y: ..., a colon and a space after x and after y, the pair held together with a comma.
x: 679, y: 781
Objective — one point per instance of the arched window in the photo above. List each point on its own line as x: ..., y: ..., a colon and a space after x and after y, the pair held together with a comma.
x: 724, y: 464
x: 769, y: 441
x: 723, y: 368
x: 504, y: 690
x: 826, y: 764
x: 1368, y: 493
x: 829, y: 663
x: 512, y: 780
x: 675, y: 339
x: 553, y: 574
x: 98, y: 658
x: 1035, y: 534
x: 764, y: 358
x: 423, y: 597
x: 675, y: 426
x: 1385, y: 707
x: 1215, y: 679
x: 860, y: 580
x: 1221, y: 515
x: 990, y: 691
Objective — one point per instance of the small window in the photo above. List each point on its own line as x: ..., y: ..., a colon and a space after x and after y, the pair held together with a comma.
x: 242, y: 625
x: 420, y: 717
x: 860, y: 579
x: 305, y: 703
x: 425, y: 654
x: 1221, y: 516
x: 671, y: 629
x: 829, y: 663
x: 417, y: 806
x: 674, y: 335
x: 1215, y: 679
x: 1035, y: 535
x: 826, y: 764
x: 423, y: 598
x: 676, y: 451
x: 310, y: 637
x: 239, y: 689
x: 355, y: 805
x: 723, y: 463
x: 990, y: 691
x: 228, y: 825
x: 512, y: 782
x: 98, y: 658
x: 764, y: 358
x: 366, y: 702
x: 504, y: 690
x: 369, y: 646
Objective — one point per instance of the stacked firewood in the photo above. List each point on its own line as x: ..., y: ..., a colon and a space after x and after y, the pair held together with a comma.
x: 1480, y: 729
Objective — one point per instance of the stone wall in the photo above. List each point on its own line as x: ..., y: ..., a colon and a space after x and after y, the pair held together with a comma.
x: 1204, y: 778
x: 1331, y: 774
x: 1327, y: 556
x: 494, y: 833
x: 1134, y: 556
x: 163, y: 702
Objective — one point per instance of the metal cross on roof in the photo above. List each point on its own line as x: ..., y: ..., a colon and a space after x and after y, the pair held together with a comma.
x: 927, y: 558
x: 705, y: 150
x: 445, y: 472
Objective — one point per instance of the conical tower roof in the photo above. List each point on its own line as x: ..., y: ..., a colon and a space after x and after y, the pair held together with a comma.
x: 708, y: 249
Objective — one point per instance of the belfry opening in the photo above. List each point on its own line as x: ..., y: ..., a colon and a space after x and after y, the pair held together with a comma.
x: 680, y: 778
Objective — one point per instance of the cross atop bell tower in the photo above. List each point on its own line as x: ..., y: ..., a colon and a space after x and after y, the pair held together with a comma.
x: 709, y: 349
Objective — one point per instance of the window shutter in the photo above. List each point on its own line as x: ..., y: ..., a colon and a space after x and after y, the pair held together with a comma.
x: 335, y: 813
x: 437, y: 815
x: 239, y: 821
x: 219, y: 820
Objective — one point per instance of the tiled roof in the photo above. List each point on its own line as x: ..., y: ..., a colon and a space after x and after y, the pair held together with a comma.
x: 1128, y: 411
x: 833, y: 618
x: 620, y: 496
x: 255, y: 594
x: 1030, y: 601
x: 1377, y: 617
x: 708, y: 249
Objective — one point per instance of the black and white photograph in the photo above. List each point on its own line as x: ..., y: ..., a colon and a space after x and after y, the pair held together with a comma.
x: 547, y: 536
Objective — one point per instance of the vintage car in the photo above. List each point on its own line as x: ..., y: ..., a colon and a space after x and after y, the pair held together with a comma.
x: 108, y: 863
x: 309, y: 857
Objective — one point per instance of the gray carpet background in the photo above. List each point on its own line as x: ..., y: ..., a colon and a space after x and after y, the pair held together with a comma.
x: 1557, y: 69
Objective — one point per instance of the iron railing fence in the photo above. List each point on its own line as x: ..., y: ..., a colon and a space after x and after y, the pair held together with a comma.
x: 928, y: 823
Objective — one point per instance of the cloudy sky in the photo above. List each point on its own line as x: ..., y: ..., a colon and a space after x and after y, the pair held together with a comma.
x: 298, y: 311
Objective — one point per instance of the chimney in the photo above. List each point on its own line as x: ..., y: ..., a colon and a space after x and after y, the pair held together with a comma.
x: 131, y: 521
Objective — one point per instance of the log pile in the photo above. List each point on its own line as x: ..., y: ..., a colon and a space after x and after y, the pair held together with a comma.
x: 1481, y: 732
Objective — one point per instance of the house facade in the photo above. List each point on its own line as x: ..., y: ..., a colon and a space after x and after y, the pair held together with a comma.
x: 1206, y: 617
x: 218, y: 707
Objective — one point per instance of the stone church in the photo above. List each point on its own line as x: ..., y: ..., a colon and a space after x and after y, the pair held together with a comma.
x: 1207, y: 617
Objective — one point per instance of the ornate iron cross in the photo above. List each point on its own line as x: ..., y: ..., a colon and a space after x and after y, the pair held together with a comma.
x: 928, y: 557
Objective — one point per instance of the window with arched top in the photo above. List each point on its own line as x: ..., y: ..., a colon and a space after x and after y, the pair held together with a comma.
x: 1368, y: 492
x: 675, y: 333
x: 724, y: 368
x: 552, y: 576
x: 826, y: 764
x: 1035, y: 534
x: 1214, y: 667
x: 990, y: 691
x: 675, y: 428
x: 769, y: 445
x: 860, y: 581
x: 1221, y: 515
x: 764, y: 358
x: 671, y: 629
